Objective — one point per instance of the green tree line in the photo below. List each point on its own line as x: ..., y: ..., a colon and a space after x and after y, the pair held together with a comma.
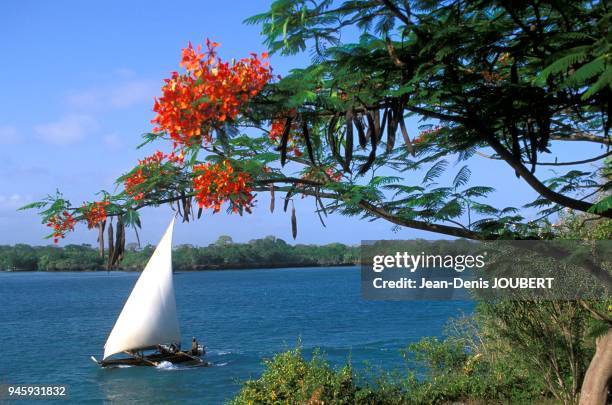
x: 223, y: 254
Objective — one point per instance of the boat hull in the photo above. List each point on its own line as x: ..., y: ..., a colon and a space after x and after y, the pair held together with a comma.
x: 153, y: 360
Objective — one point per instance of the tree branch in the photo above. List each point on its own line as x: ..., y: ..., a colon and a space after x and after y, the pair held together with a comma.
x: 396, y: 11
x: 422, y: 225
x: 534, y: 182
x: 581, y: 136
x: 576, y: 162
x: 379, y: 212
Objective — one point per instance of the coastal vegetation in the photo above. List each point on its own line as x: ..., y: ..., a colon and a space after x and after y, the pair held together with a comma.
x: 507, y: 351
x: 223, y: 254
x: 509, y: 82
x: 480, y: 361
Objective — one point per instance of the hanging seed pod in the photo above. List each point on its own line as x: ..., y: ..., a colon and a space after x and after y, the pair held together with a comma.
x: 331, y: 127
x: 101, y: 227
x: 293, y: 223
x: 333, y: 144
x: 331, y: 137
x: 178, y: 208
x: 382, y: 124
x: 407, y: 140
x: 371, y: 126
x: 272, y: 199
x: 200, y: 212
x: 185, y: 208
x: 371, y: 158
x: 287, y: 199
x: 376, y: 119
x: 111, y: 246
x: 348, y: 148
x: 285, y: 140
x: 119, y: 242
x: 307, y: 140
x: 391, y: 131
x: 363, y: 141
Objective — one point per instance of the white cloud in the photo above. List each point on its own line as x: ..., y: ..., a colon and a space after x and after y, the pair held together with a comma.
x: 8, y: 135
x: 125, y: 72
x: 12, y: 202
x: 122, y: 95
x: 113, y: 141
x: 69, y: 129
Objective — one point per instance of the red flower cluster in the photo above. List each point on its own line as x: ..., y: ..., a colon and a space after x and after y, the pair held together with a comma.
x: 492, y: 77
x: 146, y: 167
x: 423, y: 135
x: 278, y: 127
x: 333, y: 174
x: 95, y: 213
x: 61, y: 224
x: 215, y: 184
x: 209, y: 94
x: 323, y: 176
x: 131, y: 184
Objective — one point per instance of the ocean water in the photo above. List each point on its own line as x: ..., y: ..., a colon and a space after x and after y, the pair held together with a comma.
x: 51, y: 323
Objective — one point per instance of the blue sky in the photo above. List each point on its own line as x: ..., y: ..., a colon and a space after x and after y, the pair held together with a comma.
x: 78, y: 80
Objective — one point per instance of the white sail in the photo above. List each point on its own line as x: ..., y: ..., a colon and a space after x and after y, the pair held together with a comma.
x: 149, y: 316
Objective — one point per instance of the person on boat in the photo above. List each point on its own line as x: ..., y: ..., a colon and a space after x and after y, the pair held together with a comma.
x: 194, y: 347
x: 173, y: 348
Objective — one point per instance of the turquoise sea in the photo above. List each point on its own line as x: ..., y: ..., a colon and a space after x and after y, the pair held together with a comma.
x: 51, y: 323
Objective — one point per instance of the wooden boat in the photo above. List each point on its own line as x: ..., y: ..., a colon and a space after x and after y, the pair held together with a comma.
x: 147, y: 329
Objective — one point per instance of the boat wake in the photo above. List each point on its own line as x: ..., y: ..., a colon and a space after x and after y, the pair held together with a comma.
x: 166, y: 365
x: 220, y: 352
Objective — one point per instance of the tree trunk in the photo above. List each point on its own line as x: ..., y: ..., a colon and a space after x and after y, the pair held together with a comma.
x: 598, y: 377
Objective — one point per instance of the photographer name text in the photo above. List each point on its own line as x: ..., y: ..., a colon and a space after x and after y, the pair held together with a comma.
x: 495, y: 283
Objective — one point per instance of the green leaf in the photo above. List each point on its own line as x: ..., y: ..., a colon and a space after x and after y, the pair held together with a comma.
x: 605, y: 79
x: 462, y: 177
x: 562, y: 64
x: 435, y: 171
x: 37, y: 205
x: 602, y: 205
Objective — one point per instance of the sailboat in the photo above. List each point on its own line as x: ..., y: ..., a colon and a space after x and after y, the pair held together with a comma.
x: 147, y: 329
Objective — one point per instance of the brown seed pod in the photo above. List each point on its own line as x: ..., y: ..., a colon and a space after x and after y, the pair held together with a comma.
x: 186, y: 208
x: 407, y: 140
x: 101, y: 227
x: 306, y: 134
x: 272, y: 199
x: 348, y: 147
x: 293, y: 223
x: 285, y: 140
x: 376, y: 119
x: 372, y: 157
x: 363, y: 141
x: 119, y: 242
x: 111, y: 246
x: 382, y: 124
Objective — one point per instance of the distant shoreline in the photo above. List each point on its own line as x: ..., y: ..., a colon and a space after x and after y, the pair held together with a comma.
x: 189, y: 270
x: 269, y: 252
